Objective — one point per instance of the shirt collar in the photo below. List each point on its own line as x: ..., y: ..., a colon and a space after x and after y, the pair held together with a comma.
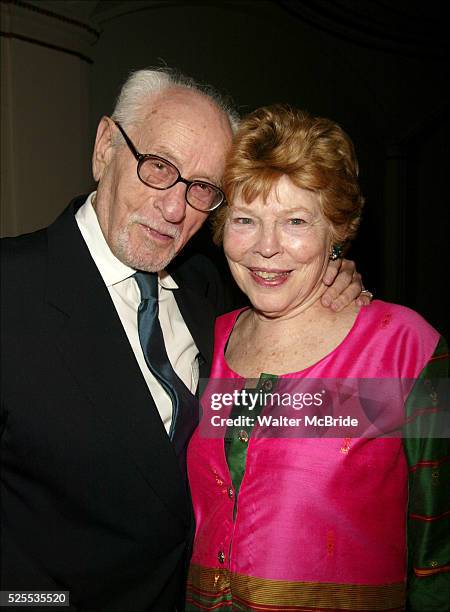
x: 166, y: 281
x: 111, y: 269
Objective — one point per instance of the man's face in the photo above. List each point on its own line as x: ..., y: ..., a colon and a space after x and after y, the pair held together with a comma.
x: 144, y: 227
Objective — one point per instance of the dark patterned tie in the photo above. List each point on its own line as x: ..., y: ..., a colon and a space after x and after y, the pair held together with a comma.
x: 184, y: 404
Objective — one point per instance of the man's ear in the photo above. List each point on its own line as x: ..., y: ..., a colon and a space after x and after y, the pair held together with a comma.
x: 103, y: 149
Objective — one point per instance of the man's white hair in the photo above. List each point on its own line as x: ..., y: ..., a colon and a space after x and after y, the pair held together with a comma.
x: 143, y: 84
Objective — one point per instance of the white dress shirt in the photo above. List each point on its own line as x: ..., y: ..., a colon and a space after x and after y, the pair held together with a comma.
x: 125, y: 294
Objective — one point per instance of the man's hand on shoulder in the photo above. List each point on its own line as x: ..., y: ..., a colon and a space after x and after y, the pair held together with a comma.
x: 344, y: 285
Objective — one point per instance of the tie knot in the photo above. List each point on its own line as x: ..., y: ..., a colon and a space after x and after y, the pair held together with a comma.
x: 148, y: 285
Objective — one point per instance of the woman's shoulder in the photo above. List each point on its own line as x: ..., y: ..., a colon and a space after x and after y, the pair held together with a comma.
x: 401, y: 325
x: 388, y: 313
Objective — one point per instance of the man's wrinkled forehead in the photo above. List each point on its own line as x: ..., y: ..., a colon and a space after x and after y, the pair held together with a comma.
x: 182, y: 126
x: 184, y: 105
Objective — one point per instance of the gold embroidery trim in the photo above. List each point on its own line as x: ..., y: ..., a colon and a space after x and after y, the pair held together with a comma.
x: 422, y: 572
x: 260, y: 591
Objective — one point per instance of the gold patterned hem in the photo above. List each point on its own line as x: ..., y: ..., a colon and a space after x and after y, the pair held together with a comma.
x: 219, y: 589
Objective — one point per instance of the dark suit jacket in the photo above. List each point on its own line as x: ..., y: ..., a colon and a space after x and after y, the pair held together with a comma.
x: 92, y: 497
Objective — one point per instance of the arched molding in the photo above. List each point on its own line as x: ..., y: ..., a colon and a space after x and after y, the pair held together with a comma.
x: 35, y: 25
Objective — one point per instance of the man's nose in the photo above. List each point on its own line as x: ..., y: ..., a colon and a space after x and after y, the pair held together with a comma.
x: 172, y: 203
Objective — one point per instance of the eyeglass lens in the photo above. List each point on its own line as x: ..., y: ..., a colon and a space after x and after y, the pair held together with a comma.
x: 160, y: 174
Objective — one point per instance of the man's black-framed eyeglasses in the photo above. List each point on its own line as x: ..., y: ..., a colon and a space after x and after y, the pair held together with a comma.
x: 159, y: 173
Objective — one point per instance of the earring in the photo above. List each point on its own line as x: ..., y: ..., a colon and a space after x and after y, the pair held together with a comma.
x: 336, y: 252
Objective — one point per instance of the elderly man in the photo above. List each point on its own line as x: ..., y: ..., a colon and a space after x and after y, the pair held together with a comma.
x: 98, y: 386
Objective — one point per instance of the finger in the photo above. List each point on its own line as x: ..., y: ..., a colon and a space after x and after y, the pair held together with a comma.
x: 364, y: 298
x: 349, y: 265
x: 348, y: 296
x: 345, y: 290
x: 331, y: 271
x: 344, y: 285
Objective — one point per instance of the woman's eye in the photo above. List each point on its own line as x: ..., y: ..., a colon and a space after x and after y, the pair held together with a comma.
x: 297, y: 221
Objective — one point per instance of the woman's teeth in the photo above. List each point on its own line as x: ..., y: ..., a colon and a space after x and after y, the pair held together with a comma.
x: 269, y: 275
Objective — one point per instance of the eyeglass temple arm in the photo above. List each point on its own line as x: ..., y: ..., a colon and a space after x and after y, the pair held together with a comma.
x: 133, y: 149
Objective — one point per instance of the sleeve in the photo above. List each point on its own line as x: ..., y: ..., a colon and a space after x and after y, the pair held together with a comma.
x: 428, y: 587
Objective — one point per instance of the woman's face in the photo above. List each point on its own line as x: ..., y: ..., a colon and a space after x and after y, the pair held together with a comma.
x: 278, y: 250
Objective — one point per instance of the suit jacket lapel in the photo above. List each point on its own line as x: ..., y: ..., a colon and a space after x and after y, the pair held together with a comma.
x: 95, y: 348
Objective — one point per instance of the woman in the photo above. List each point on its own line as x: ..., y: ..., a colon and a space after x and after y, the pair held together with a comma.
x: 302, y: 523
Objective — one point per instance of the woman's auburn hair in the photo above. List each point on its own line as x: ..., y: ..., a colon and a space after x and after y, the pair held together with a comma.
x: 314, y: 152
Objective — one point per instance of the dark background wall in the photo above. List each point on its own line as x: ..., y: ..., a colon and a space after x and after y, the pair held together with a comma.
x: 377, y: 67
